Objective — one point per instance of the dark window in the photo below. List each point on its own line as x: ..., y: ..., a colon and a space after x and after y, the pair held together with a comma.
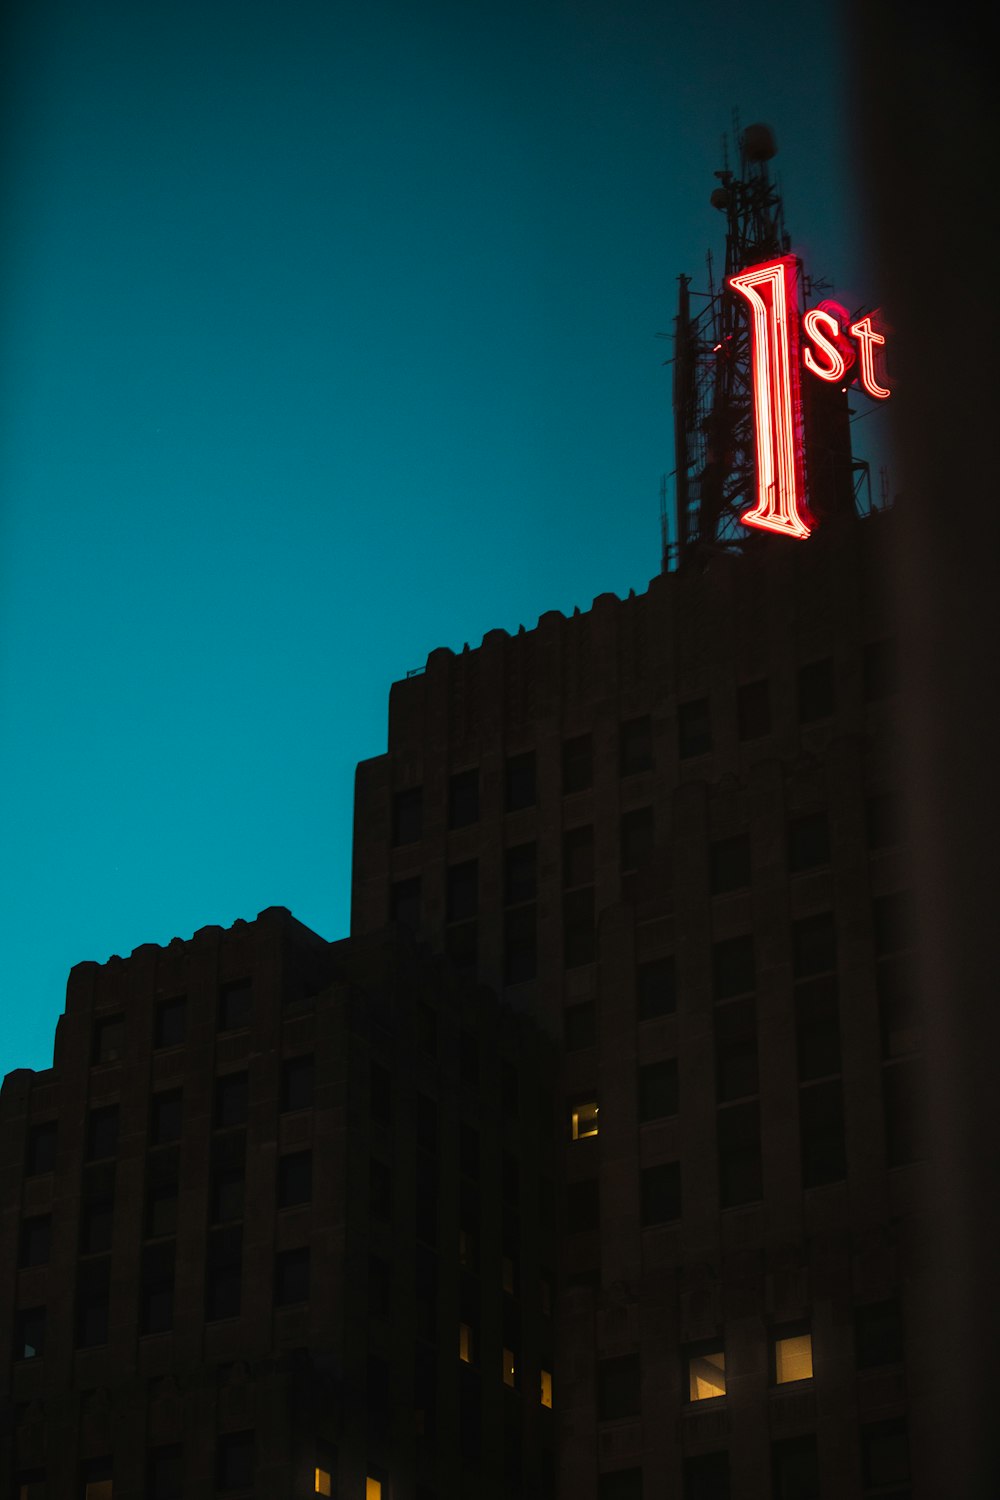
x: 735, y: 1050
x: 519, y: 878
x: 577, y: 764
x: 899, y: 1011
x: 40, y: 1156
x: 379, y: 1285
x: 408, y: 816
x: 623, y: 1484
x: 36, y: 1241
x: 297, y: 1080
x: 291, y: 1276
x: 93, y: 1283
x: 468, y: 1150
x: 228, y: 1192
x: 165, y: 1473
x: 404, y: 903
x: 379, y: 1189
x: 468, y: 1057
x: 510, y: 1178
x: 427, y: 1124
x: 426, y: 1219
x: 224, y: 1273
x: 694, y: 728
x: 740, y: 1178
x: 520, y: 945
x: 658, y: 1090
x: 509, y: 1089
x: 821, y: 1119
x: 582, y: 1206
x: 29, y: 1332
x: 425, y: 1026
x: 635, y: 747
x: 156, y: 1288
x: 733, y: 967
x: 578, y: 927
x: 380, y: 1092
x: 706, y: 1477
x: 815, y: 691
x: 578, y: 857
x: 169, y: 1023
x: 519, y: 781
x: 817, y: 1028
x: 882, y: 821
x: 161, y: 1193
x: 814, y: 945
x: 730, y: 865
x: 96, y: 1224
x: 294, y: 1178
x: 463, y: 798
x: 232, y: 1098
x: 878, y: 1330
x: 462, y: 891
x: 808, y: 842
x: 102, y: 1133
x: 234, y: 1461
x: 893, y: 916
x: 655, y: 988
x: 795, y: 1468
x: 109, y: 1039
x: 902, y: 1095
x: 29, y: 1484
x: 661, y: 1193
x: 885, y: 1454
x: 618, y: 1387
x: 95, y: 1478
x: 636, y: 837
x: 580, y: 1022
x: 881, y: 669
x: 753, y: 706
x: 235, y: 1005
x: 165, y: 1118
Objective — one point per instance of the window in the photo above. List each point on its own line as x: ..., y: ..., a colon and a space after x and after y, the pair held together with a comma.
x: 814, y: 945
x: 162, y: 1189
x: 694, y: 728
x: 808, y: 842
x: 821, y: 1122
x: 878, y: 1334
x: 658, y: 1090
x: 509, y: 1089
x: 582, y: 1206
x: 294, y: 1178
x: 102, y: 1133
x: 232, y: 1098
x: 93, y: 1286
x: 291, y: 1276
x: 156, y: 1288
x: 404, y: 903
x: 902, y: 1097
x: 164, y: 1473
x: 109, y: 1040
x: 519, y: 877
x: 379, y: 1286
x: 655, y: 988
x: 740, y: 1179
x: 520, y: 962
x: 580, y: 1024
x: 508, y: 1274
x: 899, y: 1011
x: 578, y: 857
x: 885, y: 1454
x: 379, y: 1189
x: 235, y: 1005
x: 706, y: 1372
x: 795, y: 1468
x: 881, y: 670
x: 577, y: 764
x: 660, y: 1188
x: 96, y: 1479
x: 793, y: 1358
x: 578, y: 927
x: 546, y: 1393
x: 224, y: 1273
x: 519, y: 781
x: 706, y: 1476
x: 169, y: 1022
x: 228, y: 1163
x: 733, y: 967
x: 618, y: 1388
x: 509, y: 1367
x: 636, y: 837
x: 468, y: 1057
x: 29, y: 1484
x: 583, y: 1120
x: 463, y: 798
x: 297, y: 1076
x: 893, y: 916
x: 815, y: 691
x: 621, y: 1484
x: 36, y: 1241
x: 466, y: 1343
x: 468, y: 1150
x: 373, y: 1488
x: 322, y: 1482
x: 753, y: 706
x: 735, y: 1050
x: 165, y: 1118
x: 425, y: 1027
x: 883, y: 823
x: 817, y: 1028
x: 40, y: 1156
x: 635, y: 747
x: 462, y: 891
x: 29, y: 1332
x: 235, y: 1461
x: 730, y: 865
x: 380, y: 1092
x: 96, y: 1222
x: 408, y: 816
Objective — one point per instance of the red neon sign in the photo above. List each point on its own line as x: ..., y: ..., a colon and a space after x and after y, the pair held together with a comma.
x: 771, y: 291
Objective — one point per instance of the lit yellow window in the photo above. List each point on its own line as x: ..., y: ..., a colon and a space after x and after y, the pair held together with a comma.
x: 323, y: 1484
x: 508, y: 1367
x: 707, y: 1375
x: 507, y: 1272
x: 373, y: 1489
x: 465, y: 1342
x: 793, y: 1358
x: 546, y: 1388
x: 584, y: 1120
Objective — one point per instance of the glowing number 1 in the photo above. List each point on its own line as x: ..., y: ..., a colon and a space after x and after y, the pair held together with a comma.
x: 771, y: 289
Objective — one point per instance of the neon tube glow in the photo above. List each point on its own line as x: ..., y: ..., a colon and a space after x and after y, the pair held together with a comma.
x: 868, y: 339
